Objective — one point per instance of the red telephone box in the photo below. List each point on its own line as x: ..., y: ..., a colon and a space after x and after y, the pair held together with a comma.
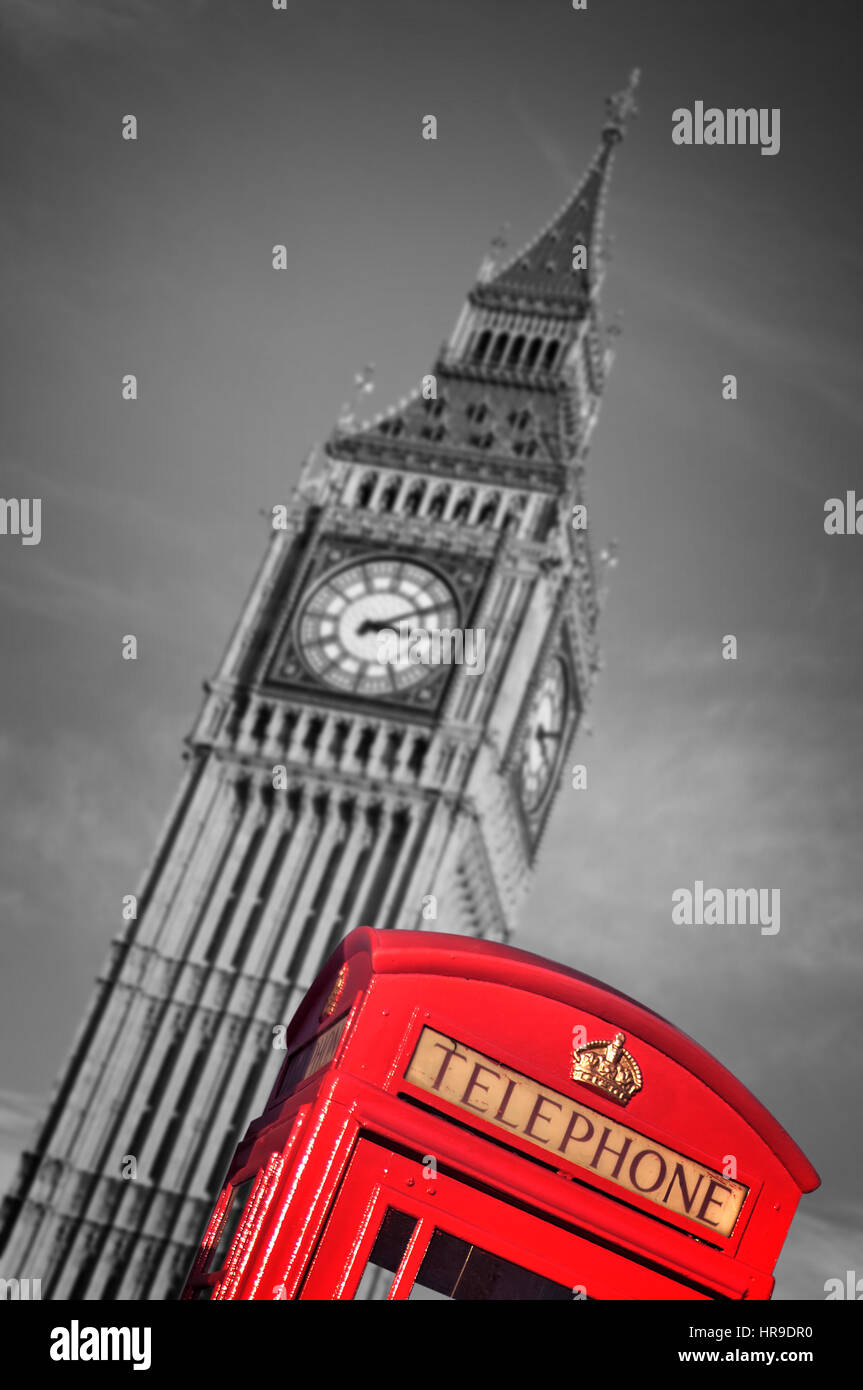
x: 458, y: 1119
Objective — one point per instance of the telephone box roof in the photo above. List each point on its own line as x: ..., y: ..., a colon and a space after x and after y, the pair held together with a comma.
x: 439, y: 953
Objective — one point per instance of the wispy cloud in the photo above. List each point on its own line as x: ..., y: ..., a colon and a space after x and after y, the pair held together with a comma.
x: 38, y: 27
x: 557, y: 155
x: 56, y: 583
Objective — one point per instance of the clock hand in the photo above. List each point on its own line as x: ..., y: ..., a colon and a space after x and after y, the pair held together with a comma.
x: 379, y: 625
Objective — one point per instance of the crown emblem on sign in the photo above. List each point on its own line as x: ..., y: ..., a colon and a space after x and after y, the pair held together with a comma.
x: 608, y: 1067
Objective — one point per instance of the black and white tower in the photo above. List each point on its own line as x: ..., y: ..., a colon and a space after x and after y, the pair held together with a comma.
x: 325, y: 788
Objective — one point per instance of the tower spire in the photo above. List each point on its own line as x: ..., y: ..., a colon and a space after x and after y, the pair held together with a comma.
x: 620, y: 107
x: 542, y: 274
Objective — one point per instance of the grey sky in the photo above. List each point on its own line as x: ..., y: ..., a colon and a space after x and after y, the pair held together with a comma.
x: 303, y: 128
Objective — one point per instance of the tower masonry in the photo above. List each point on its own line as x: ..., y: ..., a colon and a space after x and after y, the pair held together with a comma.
x: 326, y: 787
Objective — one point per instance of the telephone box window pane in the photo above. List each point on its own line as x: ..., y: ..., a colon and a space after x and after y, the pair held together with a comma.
x: 454, y: 1269
x: 389, y: 1248
x: 233, y: 1216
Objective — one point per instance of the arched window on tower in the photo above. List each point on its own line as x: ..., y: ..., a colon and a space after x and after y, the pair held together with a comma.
x: 393, y: 426
x: 481, y: 346
x: 500, y: 345
x: 435, y: 426
x: 389, y: 495
x: 418, y: 756
x: 289, y: 723
x: 365, y: 745
x: 313, y: 733
x: 516, y: 349
x: 391, y: 749
x: 437, y: 506
x: 341, y: 733
x: 366, y: 489
x: 262, y: 720
x: 479, y: 440
x: 550, y: 355
x: 413, y: 501
x: 464, y: 506
x: 488, y: 511
x: 533, y: 353
x: 524, y: 448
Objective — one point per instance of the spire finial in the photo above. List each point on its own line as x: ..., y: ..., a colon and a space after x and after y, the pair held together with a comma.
x: 608, y: 560
x: 621, y: 107
x: 500, y: 240
x: 364, y: 380
x: 364, y: 384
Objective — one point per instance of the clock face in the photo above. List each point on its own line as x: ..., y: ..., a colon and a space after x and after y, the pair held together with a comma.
x: 340, y: 624
x: 540, y: 754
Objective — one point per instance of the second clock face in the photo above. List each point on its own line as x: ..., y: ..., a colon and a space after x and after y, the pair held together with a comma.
x: 540, y: 755
x: 340, y: 623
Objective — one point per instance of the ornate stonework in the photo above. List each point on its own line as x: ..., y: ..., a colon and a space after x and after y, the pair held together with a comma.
x: 403, y: 811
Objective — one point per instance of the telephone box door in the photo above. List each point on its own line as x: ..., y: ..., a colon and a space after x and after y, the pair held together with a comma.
x: 395, y: 1232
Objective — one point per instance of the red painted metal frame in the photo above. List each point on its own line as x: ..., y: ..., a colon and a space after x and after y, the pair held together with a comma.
x: 310, y: 1216
x: 377, y: 1179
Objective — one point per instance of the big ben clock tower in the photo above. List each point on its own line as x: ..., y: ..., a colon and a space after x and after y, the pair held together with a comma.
x: 326, y: 786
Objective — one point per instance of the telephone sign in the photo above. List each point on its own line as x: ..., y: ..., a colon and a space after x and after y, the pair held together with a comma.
x: 434, y: 1133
